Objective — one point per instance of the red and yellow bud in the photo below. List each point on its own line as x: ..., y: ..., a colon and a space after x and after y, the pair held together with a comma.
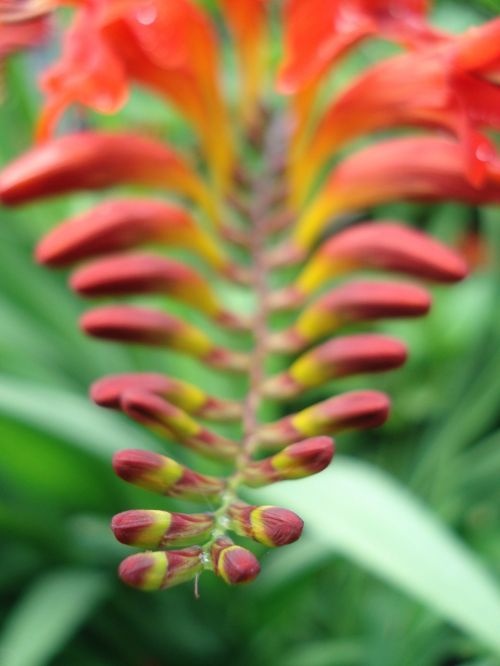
x: 352, y: 303
x: 296, y: 461
x: 161, y: 529
x: 386, y: 246
x: 91, y: 161
x: 269, y: 525
x: 234, y: 564
x: 123, y: 224
x: 165, y: 419
x: 416, y: 168
x: 160, y: 570
x: 165, y: 476
x: 134, y: 325
x: 150, y: 274
x: 108, y: 392
x: 357, y: 410
x: 340, y: 357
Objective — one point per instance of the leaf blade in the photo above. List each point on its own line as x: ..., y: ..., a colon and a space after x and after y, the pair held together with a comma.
x: 382, y: 527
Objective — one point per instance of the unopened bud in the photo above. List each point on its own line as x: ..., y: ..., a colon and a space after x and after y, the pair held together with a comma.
x: 268, y: 525
x: 381, y: 245
x: 91, y: 160
x: 161, y: 529
x: 234, y: 564
x: 133, y: 325
x: 340, y: 357
x: 351, y: 303
x: 124, y: 224
x: 162, y: 416
x: 159, y: 570
x: 296, y: 461
x: 108, y: 392
x: 165, y: 476
x: 356, y: 410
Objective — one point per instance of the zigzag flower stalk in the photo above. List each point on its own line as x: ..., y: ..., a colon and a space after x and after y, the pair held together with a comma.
x: 249, y: 199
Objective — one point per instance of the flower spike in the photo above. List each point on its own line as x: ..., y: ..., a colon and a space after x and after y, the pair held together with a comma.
x: 249, y: 196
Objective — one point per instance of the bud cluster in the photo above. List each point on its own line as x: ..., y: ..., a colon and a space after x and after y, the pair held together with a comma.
x: 251, y: 208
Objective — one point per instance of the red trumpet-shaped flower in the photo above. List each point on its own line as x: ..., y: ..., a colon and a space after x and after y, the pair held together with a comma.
x: 320, y: 31
x: 169, y: 48
x: 445, y: 90
x: 222, y: 211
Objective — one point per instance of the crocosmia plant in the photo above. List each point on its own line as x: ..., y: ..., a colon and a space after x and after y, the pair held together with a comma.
x: 257, y: 246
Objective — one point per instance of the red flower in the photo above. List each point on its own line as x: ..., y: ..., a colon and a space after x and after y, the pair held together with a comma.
x: 444, y: 86
x: 318, y: 32
x: 168, y: 47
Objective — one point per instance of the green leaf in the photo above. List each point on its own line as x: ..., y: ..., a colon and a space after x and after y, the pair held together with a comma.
x: 360, y: 512
x: 69, y: 417
x: 48, y: 615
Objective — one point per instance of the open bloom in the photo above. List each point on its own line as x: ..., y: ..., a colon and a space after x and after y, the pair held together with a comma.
x: 169, y: 48
x: 318, y: 32
x: 445, y: 90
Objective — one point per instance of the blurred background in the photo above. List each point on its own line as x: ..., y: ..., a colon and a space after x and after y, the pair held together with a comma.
x: 399, y: 564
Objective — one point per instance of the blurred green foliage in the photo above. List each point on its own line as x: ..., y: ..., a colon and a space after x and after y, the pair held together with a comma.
x: 399, y: 563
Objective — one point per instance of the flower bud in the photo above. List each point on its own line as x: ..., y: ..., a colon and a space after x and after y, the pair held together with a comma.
x: 133, y: 325
x: 422, y: 168
x: 377, y: 245
x: 165, y: 476
x: 161, y: 529
x: 163, y: 417
x: 159, y: 570
x: 122, y: 224
x: 351, y: 303
x: 234, y: 564
x: 268, y: 525
x: 356, y: 410
x: 340, y: 357
x: 90, y: 160
x: 108, y: 392
x: 296, y: 461
x: 381, y: 245
x: 121, y: 275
